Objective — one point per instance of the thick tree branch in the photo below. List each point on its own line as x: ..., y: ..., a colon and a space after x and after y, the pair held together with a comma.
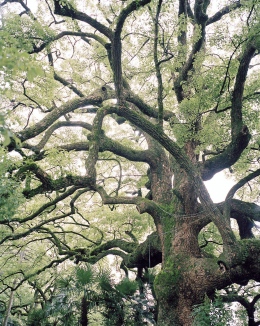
x: 107, y: 144
x: 237, y: 96
x: 245, y: 214
x: 116, y: 45
x: 145, y: 255
x: 94, y: 145
x: 225, y: 10
x: 249, y: 209
x: 145, y: 108
x: 200, y: 18
x: 239, y: 132
x: 116, y: 243
x: 245, y: 222
x: 228, y: 157
x: 108, y: 200
x: 96, y: 98
x: 182, y: 16
x: 184, y: 162
x: 240, y: 184
x: 157, y: 65
x: 67, y: 84
x: 37, y: 148
x: 68, y: 11
x: 67, y: 33
x: 60, y: 184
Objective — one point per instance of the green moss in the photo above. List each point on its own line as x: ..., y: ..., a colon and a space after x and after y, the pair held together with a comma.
x: 166, y: 282
x: 168, y: 224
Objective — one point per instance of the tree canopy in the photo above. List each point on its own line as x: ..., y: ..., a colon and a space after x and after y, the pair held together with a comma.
x: 113, y: 115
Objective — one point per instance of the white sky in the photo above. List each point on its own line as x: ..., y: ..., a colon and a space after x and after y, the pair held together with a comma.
x: 219, y: 186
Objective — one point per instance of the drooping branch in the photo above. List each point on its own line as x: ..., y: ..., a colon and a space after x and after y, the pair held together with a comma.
x: 41, y: 225
x: 29, y: 276
x: 44, y: 207
x: 249, y: 306
x: 21, y: 235
x: 146, y: 254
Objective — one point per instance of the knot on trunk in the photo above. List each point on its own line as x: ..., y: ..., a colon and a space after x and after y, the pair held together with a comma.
x: 245, y: 130
x: 103, y: 93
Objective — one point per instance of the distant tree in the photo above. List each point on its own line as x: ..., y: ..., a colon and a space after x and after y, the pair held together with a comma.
x: 133, y: 105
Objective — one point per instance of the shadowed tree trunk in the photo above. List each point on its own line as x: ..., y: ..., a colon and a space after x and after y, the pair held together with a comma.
x: 84, y: 311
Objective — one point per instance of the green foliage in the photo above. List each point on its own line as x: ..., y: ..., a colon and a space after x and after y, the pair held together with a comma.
x: 84, y: 276
x: 212, y: 313
x: 106, y: 302
x: 16, y: 40
x: 127, y: 287
x: 37, y: 317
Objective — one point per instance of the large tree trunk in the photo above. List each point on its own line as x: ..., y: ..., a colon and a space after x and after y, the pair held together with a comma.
x: 186, y: 275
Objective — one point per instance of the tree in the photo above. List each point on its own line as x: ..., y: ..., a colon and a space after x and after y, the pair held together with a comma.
x: 247, y: 297
x: 141, y: 102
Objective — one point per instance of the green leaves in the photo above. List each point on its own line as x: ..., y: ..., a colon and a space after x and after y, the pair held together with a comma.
x: 212, y: 313
x: 85, y: 276
x: 127, y: 287
x: 18, y: 37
